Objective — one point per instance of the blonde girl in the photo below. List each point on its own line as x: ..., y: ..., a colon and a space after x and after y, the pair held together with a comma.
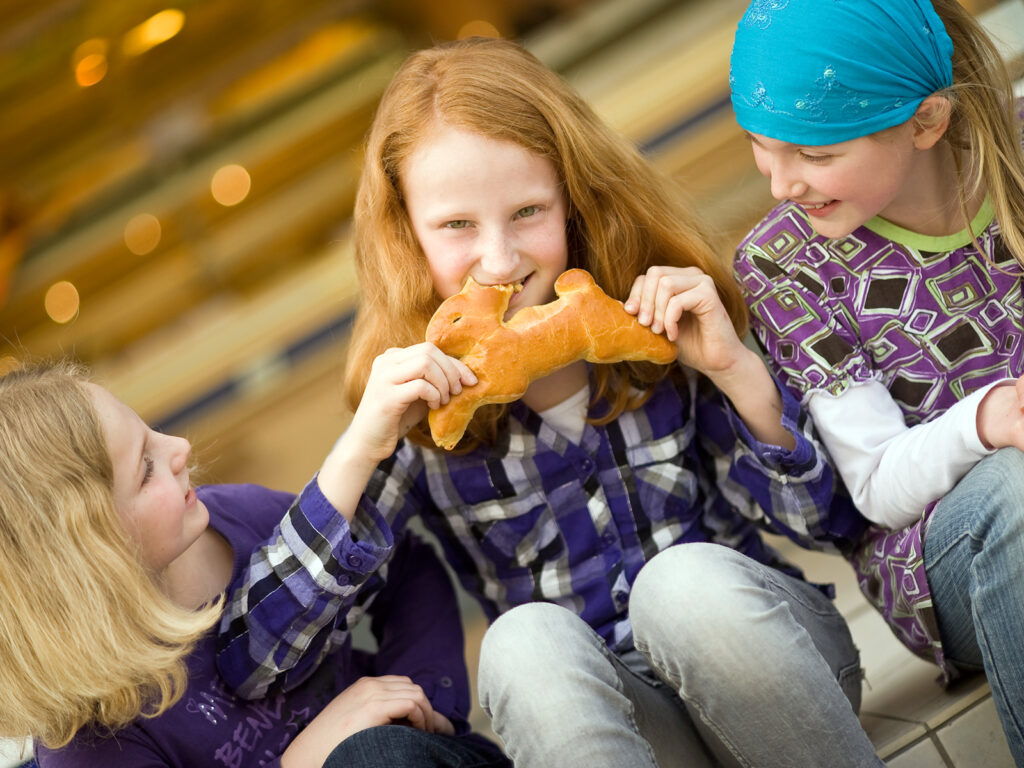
x: 113, y: 569
x: 88, y: 635
x: 886, y: 291
x: 607, y: 522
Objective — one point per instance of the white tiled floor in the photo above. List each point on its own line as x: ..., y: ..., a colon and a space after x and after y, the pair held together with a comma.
x: 921, y: 755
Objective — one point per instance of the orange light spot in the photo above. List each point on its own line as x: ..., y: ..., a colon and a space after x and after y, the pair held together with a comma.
x: 155, y: 30
x: 478, y: 28
x: 9, y: 363
x: 91, y: 70
x: 142, y: 233
x: 61, y: 302
x: 230, y: 185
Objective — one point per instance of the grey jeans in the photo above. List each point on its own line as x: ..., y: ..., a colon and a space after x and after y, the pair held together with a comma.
x: 735, y: 664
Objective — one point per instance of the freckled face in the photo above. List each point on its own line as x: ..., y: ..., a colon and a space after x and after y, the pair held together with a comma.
x: 487, y: 209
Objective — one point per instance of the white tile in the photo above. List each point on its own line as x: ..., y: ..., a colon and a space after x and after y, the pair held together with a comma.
x: 975, y: 738
x: 891, y: 735
x: 887, y: 662
x: 14, y: 753
x: 901, y: 685
x: 958, y: 699
x: 921, y: 755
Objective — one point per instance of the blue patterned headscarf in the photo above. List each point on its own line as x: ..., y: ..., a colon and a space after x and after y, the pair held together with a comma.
x: 824, y: 71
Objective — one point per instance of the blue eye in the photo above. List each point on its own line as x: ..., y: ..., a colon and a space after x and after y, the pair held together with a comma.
x: 149, y: 469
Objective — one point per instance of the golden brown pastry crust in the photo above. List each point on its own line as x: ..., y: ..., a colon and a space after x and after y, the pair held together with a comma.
x: 582, y: 323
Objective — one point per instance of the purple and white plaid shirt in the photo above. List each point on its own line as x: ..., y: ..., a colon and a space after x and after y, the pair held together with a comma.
x: 536, y: 517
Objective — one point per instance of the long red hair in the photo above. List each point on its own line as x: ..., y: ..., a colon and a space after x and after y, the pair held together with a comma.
x: 624, y: 215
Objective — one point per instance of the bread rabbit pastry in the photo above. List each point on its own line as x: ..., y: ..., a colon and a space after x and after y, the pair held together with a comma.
x: 582, y: 323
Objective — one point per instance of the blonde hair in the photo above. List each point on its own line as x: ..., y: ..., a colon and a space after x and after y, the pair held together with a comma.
x: 87, y: 636
x: 624, y: 216
x: 984, y: 124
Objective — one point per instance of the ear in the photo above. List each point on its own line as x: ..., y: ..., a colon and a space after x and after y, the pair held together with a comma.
x: 930, y: 121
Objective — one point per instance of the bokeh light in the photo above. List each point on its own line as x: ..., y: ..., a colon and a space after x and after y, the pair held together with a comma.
x: 230, y: 185
x: 61, y: 302
x: 89, y: 62
x: 157, y: 29
x: 142, y: 233
x: 478, y: 28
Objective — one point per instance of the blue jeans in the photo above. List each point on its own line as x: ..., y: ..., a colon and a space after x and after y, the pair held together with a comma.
x: 735, y: 664
x: 974, y: 557
x: 388, y: 746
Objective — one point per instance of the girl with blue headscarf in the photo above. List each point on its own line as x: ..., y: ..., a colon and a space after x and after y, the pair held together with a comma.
x: 886, y: 291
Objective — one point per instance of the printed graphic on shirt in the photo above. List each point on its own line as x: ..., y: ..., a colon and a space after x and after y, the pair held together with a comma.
x: 931, y: 326
x: 251, y: 733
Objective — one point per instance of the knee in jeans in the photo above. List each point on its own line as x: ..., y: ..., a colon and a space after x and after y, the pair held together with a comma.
x: 1000, y: 473
x: 523, y: 643
x: 690, y: 576
x: 996, y: 486
x: 702, y: 601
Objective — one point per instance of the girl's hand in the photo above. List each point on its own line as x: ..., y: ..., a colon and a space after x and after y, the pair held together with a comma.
x: 368, y: 702
x: 1000, y: 416
x: 684, y: 304
x: 403, y: 384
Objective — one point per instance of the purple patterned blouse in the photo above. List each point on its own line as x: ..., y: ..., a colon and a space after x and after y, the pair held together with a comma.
x: 929, y: 317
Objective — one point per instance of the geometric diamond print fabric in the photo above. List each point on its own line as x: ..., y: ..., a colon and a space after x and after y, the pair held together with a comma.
x: 933, y: 324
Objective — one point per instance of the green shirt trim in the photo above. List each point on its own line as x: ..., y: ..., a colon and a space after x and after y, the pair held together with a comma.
x: 932, y: 244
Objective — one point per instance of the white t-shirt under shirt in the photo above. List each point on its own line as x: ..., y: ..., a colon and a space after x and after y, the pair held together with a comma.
x: 569, y: 417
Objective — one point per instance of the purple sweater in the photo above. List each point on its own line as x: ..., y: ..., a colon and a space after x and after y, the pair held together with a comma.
x: 415, y: 620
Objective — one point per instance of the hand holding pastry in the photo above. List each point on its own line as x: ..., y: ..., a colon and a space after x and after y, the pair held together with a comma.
x: 583, y: 323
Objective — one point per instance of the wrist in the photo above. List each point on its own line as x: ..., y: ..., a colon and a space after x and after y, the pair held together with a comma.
x: 736, y: 380
x: 344, y: 474
x: 995, y: 413
x: 750, y: 388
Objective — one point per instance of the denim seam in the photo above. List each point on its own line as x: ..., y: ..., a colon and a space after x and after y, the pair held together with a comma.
x: 659, y: 665
x: 997, y: 690
x: 772, y: 585
x: 930, y: 560
x: 631, y: 714
x: 595, y: 640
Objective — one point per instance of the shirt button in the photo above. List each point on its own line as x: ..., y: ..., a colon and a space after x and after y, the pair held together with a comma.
x: 608, y: 538
x: 446, y: 682
x: 355, y: 561
x: 587, y: 466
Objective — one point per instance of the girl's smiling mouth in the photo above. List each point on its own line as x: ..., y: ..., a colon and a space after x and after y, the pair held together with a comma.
x: 819, y: 209
x: 519, y: 286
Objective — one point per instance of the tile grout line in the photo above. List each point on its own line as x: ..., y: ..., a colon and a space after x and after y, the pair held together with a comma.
x: 939, y: 747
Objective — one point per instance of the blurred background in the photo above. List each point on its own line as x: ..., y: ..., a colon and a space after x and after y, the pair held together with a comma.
x: 177, y: 179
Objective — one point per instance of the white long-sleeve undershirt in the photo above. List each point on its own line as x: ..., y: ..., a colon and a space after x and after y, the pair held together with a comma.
x: 891, y: 470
